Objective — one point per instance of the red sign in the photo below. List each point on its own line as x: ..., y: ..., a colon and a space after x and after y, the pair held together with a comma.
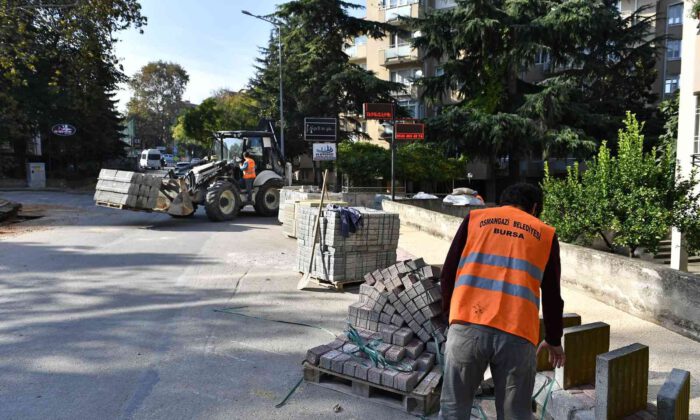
x: 379, y: 111
x: 410, y: 131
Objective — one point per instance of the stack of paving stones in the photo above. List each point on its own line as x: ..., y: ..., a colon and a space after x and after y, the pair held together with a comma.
x: 339, y: 259
x: 127, y: 189
x: 400, y: 308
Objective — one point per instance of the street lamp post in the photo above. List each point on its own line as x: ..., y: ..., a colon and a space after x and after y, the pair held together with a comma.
x: 279, y: 51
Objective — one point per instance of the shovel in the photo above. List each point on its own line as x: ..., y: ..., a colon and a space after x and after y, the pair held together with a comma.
x: 304, y: 282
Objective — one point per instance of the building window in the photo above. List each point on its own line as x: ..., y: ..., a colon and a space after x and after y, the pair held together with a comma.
x: 696, y: 142
x: 439, y: 71
x: 671, y: 85
x: 542, y: 56
x: 397, y: 41
x: 675, y: 14
x: 389, y: 4
x: 405, y: 77
x: 412, y: 106
x: 673, y: 49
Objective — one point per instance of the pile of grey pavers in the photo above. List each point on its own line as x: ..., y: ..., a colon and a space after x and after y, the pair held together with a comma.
x: 342, y: 260
x: 389, y: 317
x: 124, y: 189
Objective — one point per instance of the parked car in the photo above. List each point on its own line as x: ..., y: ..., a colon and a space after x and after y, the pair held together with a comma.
x: 181, y: 168
x: 196, y: 161
x: 169, y: 160
x: 150, y: 159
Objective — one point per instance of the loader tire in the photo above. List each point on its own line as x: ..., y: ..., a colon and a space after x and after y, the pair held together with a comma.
x: 267, y: 199
x: 223, y: 201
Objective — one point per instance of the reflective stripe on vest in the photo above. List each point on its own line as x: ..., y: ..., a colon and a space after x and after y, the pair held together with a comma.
x: 499, y: 274
x: 249, y: 172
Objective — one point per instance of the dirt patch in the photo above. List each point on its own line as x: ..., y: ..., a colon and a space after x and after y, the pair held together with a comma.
x: 35, y: 217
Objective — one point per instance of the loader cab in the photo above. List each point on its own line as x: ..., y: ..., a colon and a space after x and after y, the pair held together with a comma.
x: 261, y: 145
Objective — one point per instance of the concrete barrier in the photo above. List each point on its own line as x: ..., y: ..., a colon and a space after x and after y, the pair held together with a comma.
x: 646, y: 290
x: 649, y: 291
x: 437, y: 224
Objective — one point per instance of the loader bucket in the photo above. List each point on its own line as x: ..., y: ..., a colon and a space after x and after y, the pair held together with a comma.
x: 174, y: 198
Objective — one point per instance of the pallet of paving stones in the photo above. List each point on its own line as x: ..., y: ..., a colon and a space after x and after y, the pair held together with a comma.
x: 423, y: 400
x: 398, y: 316
x: 127, y: 190
x: 345, y: 260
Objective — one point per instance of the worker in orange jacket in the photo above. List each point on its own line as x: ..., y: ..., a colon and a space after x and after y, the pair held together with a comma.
x: 499, y: 261
x: 248, y: 168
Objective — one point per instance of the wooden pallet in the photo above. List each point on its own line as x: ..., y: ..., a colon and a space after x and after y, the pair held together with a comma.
x: 112, y: 205
x: 422, y: 401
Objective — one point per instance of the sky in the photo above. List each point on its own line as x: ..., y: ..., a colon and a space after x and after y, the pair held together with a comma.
x: 211, y: 39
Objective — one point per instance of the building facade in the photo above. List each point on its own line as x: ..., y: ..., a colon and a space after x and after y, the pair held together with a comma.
x: 688, y: 143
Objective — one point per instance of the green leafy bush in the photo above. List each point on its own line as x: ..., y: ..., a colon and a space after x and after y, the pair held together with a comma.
x: 635, y: 195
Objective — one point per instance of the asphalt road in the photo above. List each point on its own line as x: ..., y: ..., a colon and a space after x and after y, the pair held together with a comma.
x: 109, y: 314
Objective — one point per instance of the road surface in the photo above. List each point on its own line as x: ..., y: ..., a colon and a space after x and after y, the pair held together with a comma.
x: 111, y: 314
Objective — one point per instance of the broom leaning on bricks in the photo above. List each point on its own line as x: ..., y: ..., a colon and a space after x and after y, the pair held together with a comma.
x: 306, y: 278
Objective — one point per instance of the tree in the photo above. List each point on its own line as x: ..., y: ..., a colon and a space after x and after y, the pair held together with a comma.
x: 318, y: 78
x: 58, y: 66
x: 635, y: 195
x: 225, y: 110
x: 157, y: 101
x: 363, y: 163
x: 599, y: 66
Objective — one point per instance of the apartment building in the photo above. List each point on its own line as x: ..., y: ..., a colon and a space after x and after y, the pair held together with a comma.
x: 688, y: 143
x: 669, y: 20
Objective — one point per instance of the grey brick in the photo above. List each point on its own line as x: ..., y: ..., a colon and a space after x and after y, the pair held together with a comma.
x: 361, y: 371
x: 402, y: 336
x: 313, y: 355
x: 349, y: 368
x: 338, y: 362
x: 414, y: 348
x: 418, y: 316
x: 674, y: 396
x: 384, y: 318
x: 387, y: 332
x: 426, y: 361
x: 406, y: 381
x: 397, y: 320
x: 388, y: 377
x: 326, y: 360
x: 382, y: 348
x: 414, y: 326
x: 412, y: 308
x: 395, y: 354
x: 374, y: 375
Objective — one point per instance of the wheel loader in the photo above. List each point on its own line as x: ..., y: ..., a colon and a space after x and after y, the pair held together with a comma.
x: 217, y: 184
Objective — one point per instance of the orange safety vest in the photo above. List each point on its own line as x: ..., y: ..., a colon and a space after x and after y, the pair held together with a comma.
x: 249, y: 172
x: 499, y: 274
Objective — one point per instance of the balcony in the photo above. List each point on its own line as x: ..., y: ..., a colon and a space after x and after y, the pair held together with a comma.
x: 407, y: 90
x: 398, y: 55
x: 357, y: 53
x: 392, y: 14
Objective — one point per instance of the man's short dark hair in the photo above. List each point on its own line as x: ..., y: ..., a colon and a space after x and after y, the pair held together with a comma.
x: 524, y: 196
x: 246, y: 154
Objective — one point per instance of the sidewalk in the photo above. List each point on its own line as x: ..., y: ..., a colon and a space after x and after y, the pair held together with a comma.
x: 667, y: 349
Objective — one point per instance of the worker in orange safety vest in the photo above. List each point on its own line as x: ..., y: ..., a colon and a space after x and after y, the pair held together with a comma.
x: 499, y: 261
x: 248, y: 168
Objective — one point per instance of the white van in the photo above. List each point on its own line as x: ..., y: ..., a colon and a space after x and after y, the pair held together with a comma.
x: 150, y: 159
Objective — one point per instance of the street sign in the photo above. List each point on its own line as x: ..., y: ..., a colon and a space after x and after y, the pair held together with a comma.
x: 324, y: 151
x: 63, y: 130
x: 379, y: 111
x: 320, y: 129
x: 410, y: 131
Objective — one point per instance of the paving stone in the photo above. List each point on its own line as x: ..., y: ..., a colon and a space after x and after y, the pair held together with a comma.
x: 582, y: 345
x: 568, y: 320
x: 326, y: 360
x: 402, y: 336
x: 413, y: 325
x: 425, y: 361
x: 395, y: 354
x: 313, y: 355
x: 412, y: 308
x: 350, y: 348
x: 419, y: 318
x: 397, y: 320
x: 414, y: 348
x: 673, y: 400
x: 382, y: 348
x: 349, y: 368
x: 387, y: 332
x: 374, y: 375
x: 336, y: 344
x: 411, y: 294
x: 338, y: 362
x: 388, y: 377
x: 385, y: 318
x: 404, y: 381
x: 410, y: 363
x: 361, y: 371
x: 621, y: 382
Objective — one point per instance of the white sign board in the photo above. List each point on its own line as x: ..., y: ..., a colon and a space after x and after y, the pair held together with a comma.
x: 324, y: 151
